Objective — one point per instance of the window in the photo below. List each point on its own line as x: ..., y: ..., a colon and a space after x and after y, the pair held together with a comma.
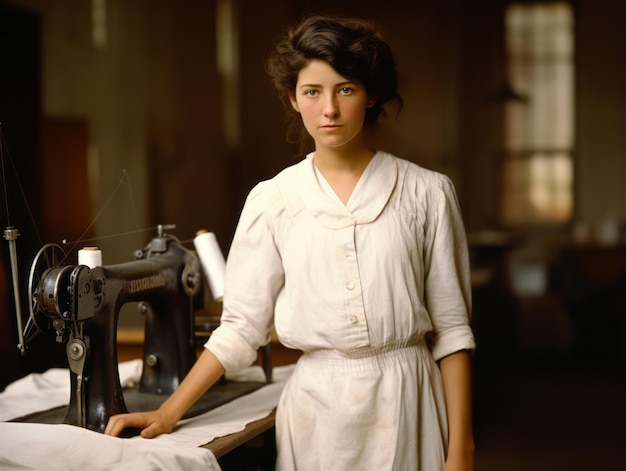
x: 539, y: 115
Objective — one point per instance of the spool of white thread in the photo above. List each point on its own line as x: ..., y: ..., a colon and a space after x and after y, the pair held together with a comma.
x: 90, y: 256
x: 212, y: 261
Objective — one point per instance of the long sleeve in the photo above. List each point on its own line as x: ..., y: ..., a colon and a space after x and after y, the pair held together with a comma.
x: 254, y: 277
x: 447, y: 278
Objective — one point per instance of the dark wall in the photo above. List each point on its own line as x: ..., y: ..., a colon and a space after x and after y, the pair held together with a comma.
x: 20, y: 112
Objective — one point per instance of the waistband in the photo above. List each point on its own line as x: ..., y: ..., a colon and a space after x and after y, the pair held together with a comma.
x: 366, y: 352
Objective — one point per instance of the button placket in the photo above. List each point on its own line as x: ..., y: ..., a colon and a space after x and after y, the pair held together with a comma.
x: 355, y: 310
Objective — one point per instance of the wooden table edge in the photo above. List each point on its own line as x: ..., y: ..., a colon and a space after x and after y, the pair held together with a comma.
x: 222, y: 445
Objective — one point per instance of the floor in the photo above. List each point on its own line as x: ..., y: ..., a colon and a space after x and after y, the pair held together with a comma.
x: 560, y: 418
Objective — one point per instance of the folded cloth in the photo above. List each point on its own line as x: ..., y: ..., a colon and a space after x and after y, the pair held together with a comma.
x: 234, y: 415
x: 38, y: 392
x: 66, y: 447
x: 55, y: 447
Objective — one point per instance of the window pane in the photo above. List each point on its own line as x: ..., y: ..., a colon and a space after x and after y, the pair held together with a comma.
x: 539, y: 188
x: 539, y: 128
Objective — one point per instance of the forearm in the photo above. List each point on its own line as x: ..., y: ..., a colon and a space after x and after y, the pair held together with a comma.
x: 456, y: 374
x: 205, y: 372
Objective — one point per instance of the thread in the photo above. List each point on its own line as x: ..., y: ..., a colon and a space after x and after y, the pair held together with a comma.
x: 90, y: 256
x: 212, y: 261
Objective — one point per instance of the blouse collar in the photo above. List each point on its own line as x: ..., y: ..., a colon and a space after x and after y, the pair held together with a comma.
x: 368, y: 199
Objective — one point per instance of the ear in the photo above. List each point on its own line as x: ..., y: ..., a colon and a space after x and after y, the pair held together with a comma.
x: 371, y: 102
x: 294, y: 103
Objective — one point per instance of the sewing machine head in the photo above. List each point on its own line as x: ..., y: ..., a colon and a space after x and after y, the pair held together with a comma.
x: 81, y: 306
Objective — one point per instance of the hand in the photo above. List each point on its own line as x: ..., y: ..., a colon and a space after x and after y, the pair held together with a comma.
x: 204, y: 373
x: 152, y: 423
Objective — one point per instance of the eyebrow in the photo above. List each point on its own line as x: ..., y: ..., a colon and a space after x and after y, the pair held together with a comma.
x: 315, y: 85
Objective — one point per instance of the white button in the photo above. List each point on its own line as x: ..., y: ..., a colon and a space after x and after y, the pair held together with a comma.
x: 349, y: 285
x: 354, y: 319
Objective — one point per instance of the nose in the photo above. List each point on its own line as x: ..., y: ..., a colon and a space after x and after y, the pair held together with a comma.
x: 330, y: 107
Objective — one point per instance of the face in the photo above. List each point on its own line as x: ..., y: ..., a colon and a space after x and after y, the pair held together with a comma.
x: 332, y: 107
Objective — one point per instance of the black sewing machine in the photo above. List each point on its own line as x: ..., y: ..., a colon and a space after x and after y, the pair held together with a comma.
x: 81, y: 306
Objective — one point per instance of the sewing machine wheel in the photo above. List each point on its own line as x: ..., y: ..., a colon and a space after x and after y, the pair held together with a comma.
x: 49, y: 256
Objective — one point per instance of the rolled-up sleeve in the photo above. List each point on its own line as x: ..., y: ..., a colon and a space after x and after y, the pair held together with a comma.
x: 254, y: 277
x: 447, y: 280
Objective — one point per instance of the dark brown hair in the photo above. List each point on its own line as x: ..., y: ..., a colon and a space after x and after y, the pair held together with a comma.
x: 353, y: 47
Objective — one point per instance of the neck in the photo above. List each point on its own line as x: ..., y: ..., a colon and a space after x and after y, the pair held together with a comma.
x: 343, y: 160
x: 341, y: 169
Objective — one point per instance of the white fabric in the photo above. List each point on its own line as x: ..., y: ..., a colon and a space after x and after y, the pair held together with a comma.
x: 42, y: 391
x: 65, y: 447
x: 359, y: 288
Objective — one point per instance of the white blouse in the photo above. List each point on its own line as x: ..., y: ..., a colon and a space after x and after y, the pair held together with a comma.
x: 385, y: 272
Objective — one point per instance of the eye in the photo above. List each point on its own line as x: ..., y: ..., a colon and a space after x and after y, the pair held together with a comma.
x: 345, y: 90
x: 310, y: 93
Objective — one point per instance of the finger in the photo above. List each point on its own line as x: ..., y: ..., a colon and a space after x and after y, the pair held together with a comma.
x: 151, y: 431
x: 156, y: 426
x: 118, y: 423
x: 112, y: 425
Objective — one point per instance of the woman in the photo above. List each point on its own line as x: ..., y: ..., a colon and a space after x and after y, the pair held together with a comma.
x: 357, y: 258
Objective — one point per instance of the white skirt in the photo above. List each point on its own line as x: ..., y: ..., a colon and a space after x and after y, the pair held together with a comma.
x: 375, y: 409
